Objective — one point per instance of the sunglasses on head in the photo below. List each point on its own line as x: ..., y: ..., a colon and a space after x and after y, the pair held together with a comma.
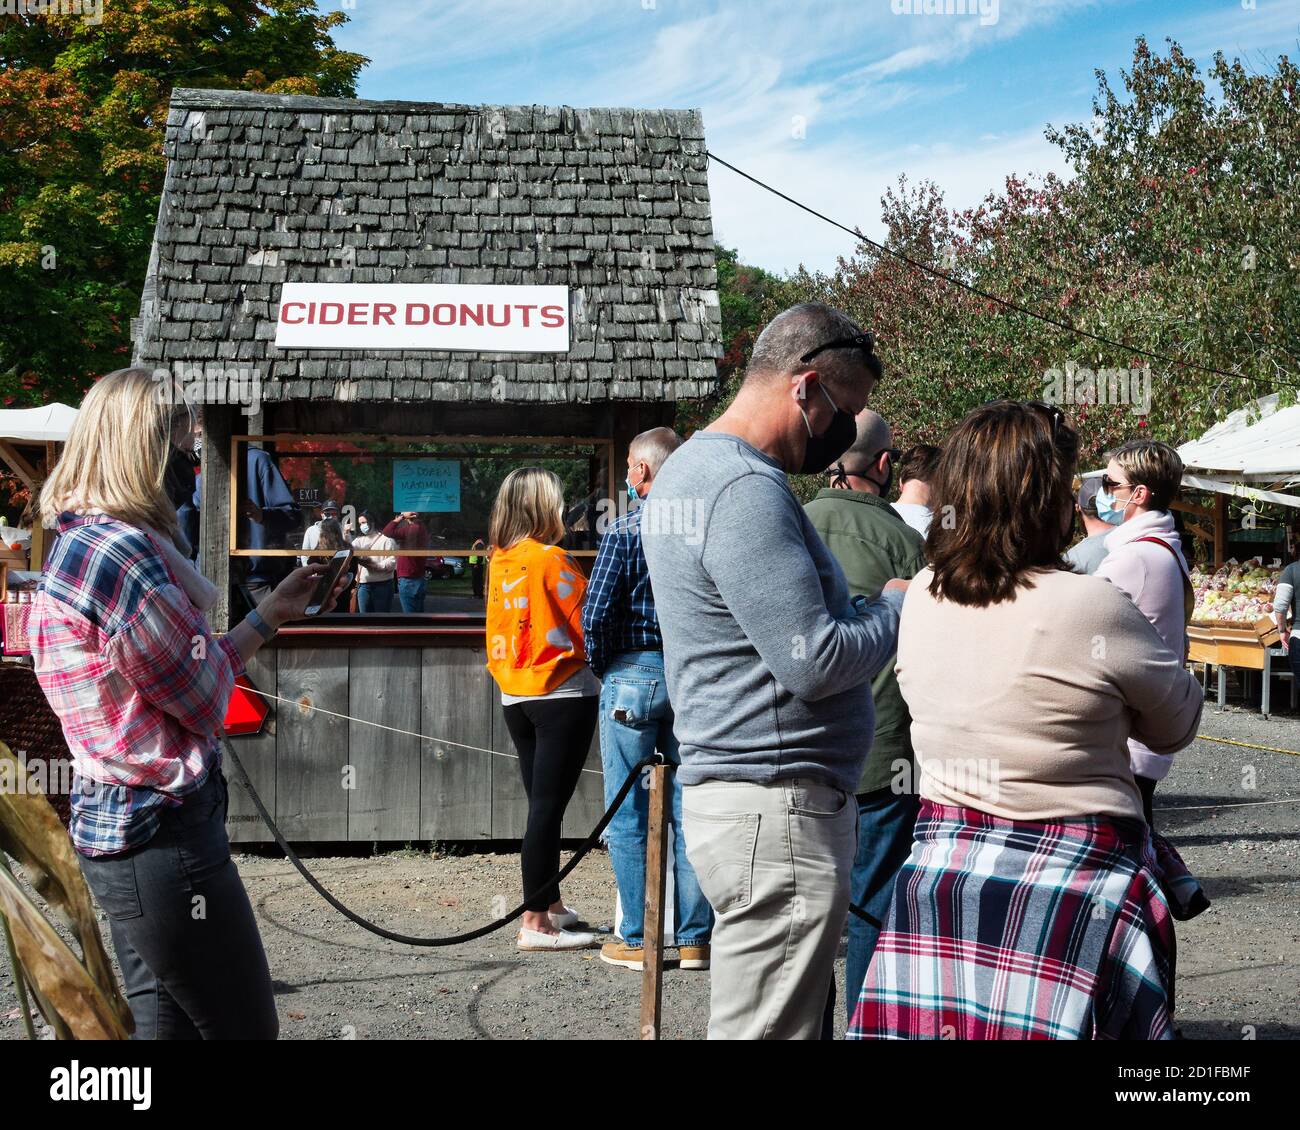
x: 864, y: 341
x: 1053, y: 413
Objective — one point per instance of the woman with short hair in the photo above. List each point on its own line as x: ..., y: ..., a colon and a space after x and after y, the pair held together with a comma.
x: 1031, y: 904
x: 548, y: 693
x: 124, y: 654
x: 1144, y: 560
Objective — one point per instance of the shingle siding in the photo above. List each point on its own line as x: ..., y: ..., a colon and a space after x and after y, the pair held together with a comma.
x: 267, y: 189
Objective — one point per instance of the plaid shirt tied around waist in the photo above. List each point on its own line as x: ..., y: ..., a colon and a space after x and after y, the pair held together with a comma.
x: 135, y: 675
x: 1018, y: 930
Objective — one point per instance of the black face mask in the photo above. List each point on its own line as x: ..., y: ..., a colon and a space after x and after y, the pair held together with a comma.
x: 821, y: 451
x: 888, y: 484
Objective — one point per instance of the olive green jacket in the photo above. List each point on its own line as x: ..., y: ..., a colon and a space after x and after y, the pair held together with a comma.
x: 872, y: 544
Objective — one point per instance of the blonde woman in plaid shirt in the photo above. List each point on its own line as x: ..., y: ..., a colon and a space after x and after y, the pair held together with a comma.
x: 125, y: 656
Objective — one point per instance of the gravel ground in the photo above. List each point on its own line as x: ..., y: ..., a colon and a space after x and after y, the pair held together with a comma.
x: 1238, y: 969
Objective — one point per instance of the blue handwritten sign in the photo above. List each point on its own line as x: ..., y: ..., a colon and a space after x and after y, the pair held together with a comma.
x: 427, y: 486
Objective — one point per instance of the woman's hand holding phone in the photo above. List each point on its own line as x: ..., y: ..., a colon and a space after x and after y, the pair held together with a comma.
x: 290, y: 598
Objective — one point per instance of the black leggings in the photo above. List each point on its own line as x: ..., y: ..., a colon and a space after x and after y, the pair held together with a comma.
x: 186, y: 939
x: 552, y: 737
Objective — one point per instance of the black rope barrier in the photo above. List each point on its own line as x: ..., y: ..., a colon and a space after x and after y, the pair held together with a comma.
x: 454, y: 939
x: 241, y: 775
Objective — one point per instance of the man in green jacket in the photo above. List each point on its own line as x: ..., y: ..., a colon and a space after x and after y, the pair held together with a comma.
x: 872, y: 544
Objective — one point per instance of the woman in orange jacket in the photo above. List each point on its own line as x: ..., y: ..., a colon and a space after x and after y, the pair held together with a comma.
x: 548, y: 694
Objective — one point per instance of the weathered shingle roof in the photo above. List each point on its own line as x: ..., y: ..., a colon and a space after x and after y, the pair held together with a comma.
x: 266, y: 189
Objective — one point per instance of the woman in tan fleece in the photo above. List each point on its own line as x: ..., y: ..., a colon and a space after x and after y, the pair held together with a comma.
x: 1031, y: 904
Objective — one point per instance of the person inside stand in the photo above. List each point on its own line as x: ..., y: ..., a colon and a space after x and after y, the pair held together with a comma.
x: 375, y: 565
x: 873, y: 543
x: 311, y: 539
x: 408, y: 532
x: 126, y: 658
x: 625, y: 651
x: 265, y: 520
x: 1144, y: 559
x: 915, y: 470
x: 182, y: 490
x: 548, y: 693
x: 478, y: 567
x: 1085, y: 555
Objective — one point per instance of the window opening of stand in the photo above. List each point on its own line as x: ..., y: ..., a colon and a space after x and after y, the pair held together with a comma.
x: 448, y: 482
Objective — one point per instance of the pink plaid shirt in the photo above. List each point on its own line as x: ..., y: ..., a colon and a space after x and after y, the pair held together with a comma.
x: 135, y: 675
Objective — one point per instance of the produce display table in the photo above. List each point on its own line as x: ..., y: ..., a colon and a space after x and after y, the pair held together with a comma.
x: 1232, y: 625
x: 1252, y: 647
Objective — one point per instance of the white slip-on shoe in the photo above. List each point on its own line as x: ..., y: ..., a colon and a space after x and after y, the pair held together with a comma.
x: 530, y: 940
x: 566, y: 918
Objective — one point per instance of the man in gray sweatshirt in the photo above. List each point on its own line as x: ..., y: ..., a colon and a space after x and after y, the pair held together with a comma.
x: 769, y: 665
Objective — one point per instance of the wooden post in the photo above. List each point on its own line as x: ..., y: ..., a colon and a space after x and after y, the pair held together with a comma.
x: 215, y: 510
x: 1220, y: 528
x: 656, y: 878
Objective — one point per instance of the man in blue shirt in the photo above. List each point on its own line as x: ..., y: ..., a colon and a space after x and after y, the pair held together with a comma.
x: 625, y: 649
x: 267, y: 516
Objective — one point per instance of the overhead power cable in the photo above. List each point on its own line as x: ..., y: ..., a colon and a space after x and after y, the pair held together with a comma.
x: 1006, y: 303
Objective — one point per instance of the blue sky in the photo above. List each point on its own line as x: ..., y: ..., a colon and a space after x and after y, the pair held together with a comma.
x: 829, y: 100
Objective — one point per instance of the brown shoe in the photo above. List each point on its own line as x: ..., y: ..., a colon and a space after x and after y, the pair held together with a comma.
x: 620, y: 953
x: 693, y: 957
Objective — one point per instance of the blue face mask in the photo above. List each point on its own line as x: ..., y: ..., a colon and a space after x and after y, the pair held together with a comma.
x: 632, y: 495
x: 1108, y: 511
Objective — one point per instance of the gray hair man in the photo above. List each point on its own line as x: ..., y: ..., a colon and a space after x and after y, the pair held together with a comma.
x: 625, y: 648
x: 769, y: 660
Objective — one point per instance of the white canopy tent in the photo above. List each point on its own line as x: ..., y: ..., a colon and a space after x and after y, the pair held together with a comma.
x: 48, y: 424
x: 24, y: 427
x: 1249, y: 453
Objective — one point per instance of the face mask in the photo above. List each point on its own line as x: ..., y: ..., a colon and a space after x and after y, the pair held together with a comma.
x: 632, y: 495
x: 824, y: 449
x: 365, y: 527
x: 1107, y: 510
x: 888, y: 483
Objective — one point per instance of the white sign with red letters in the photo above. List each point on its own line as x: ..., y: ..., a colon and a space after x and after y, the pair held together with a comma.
x: 472, y: 319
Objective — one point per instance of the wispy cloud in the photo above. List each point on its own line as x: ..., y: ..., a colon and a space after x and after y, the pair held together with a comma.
x: 830, y: 99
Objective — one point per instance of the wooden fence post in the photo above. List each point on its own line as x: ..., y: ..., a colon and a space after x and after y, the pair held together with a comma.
x: 656, y: 877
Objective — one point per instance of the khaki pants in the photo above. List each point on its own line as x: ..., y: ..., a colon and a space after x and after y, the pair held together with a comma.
x: 774, y: 861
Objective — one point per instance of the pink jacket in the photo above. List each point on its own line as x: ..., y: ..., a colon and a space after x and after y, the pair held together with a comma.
x: 1154, y: 582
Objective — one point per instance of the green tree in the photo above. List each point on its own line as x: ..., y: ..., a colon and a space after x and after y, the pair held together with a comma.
x: 1176, y: 234
x: 83, y: 108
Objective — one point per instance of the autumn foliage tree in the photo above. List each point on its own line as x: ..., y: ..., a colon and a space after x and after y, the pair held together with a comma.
x: 1177, y: 235
x: 83, y: 107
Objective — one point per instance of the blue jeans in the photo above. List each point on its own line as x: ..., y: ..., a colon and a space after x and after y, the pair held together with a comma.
x: 375, y: 596
x: 410, y: 592
x: 885, y: 823
x: 633, y: 687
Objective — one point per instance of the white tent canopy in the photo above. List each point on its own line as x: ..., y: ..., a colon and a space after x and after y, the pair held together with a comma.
x: 1257, y: 443
x: 1252, y: 447
x: 48, y: 424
